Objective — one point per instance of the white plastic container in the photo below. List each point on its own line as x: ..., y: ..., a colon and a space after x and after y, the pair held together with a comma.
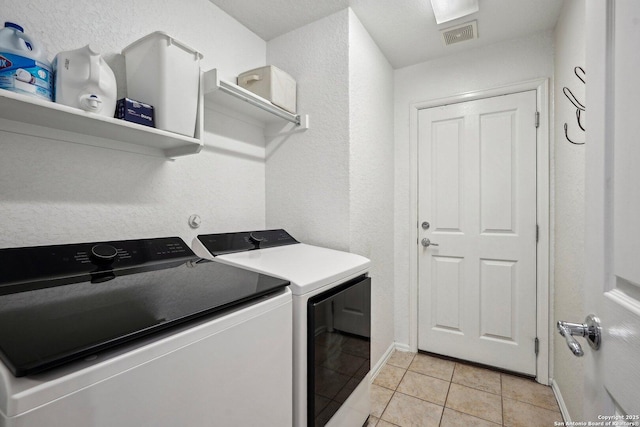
x: 24, y: 67
x: 85, y: 81
x: 165, y: 73
x: 273, y: 84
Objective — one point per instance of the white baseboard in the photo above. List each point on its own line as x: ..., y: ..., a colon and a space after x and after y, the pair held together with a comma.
x: 563, y: 407
x: 375, y: 370
x: 403, y: 347
x: 387, y: 354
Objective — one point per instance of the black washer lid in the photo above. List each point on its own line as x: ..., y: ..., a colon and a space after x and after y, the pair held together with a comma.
x: 65, y: 302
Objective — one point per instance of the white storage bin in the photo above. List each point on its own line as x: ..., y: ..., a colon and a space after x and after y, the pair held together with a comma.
x: 272, y: 84
x: 165, y: 73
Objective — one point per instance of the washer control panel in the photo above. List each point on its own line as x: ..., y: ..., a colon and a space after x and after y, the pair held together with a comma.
x: 226, y: 243
x: 22, y: 268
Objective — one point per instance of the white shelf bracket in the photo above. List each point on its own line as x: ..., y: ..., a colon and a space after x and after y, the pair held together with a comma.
x: 274, y: 130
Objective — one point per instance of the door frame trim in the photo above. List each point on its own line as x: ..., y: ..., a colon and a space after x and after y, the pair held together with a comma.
x: 544, y: 261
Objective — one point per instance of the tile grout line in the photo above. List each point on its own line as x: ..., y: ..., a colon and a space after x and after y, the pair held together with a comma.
x: 501, y: 402
x: 395, y: 390
x: 523, y: 401
x: 532, y: 404
x: 474, y: 415
x: 446, y: 398
x: 419, y: 398
x: 468, y: 386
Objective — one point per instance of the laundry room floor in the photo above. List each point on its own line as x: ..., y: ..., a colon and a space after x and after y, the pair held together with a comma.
x: 421, y: 390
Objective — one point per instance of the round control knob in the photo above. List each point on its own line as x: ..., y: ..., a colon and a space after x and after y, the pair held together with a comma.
x: 103, y: 254
x: 255, y: 240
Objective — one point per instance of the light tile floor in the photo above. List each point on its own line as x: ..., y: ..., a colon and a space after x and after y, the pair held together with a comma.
x: 420, y: 390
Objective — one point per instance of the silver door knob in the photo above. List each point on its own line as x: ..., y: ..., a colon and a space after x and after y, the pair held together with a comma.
x: 426, y: 243
x: 590, y: 330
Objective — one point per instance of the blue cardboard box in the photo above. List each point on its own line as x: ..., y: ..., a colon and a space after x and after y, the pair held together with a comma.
x: 134, y: 111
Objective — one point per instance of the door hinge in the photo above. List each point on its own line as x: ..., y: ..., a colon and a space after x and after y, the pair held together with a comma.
x: 537, y: 233
x: 537, y: 119
x: 536, y: 345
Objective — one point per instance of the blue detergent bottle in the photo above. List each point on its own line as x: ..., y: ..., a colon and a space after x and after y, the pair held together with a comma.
x: 24, y: 67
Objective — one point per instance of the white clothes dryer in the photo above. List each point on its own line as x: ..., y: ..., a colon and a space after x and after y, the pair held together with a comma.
x: 331, y: 319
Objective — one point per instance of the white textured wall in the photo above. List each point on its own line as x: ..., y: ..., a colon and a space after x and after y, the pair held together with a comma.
x: 333, y: 184
x: 569, y: 203
x: 493, y: 66
x: 371, y: 172
x: 57, y: 192
x: 308, y: 173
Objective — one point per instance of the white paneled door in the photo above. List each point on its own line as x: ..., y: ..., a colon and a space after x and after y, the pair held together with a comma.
x: 477, y: 202
x: 612, y: 279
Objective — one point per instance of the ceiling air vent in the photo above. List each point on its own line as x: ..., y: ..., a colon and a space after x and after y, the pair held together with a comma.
x: 460, y: 33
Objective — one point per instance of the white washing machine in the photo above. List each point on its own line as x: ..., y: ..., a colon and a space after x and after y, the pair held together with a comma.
x: 140, y: 333
x: 331, y: 319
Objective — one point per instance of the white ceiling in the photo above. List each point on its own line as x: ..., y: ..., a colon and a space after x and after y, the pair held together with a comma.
x: 405, y: 30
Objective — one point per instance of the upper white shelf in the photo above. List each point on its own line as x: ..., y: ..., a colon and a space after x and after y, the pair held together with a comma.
x: 232, y: 97
x: 32, y: 116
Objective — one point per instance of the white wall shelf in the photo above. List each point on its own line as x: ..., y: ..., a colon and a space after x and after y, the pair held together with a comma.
x: 32, y: 116
x: 223, y: 95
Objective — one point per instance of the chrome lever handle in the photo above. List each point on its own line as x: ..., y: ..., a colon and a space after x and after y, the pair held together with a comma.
x: 567, y: 330
x: 590, y: 330
x: 426, y: 243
